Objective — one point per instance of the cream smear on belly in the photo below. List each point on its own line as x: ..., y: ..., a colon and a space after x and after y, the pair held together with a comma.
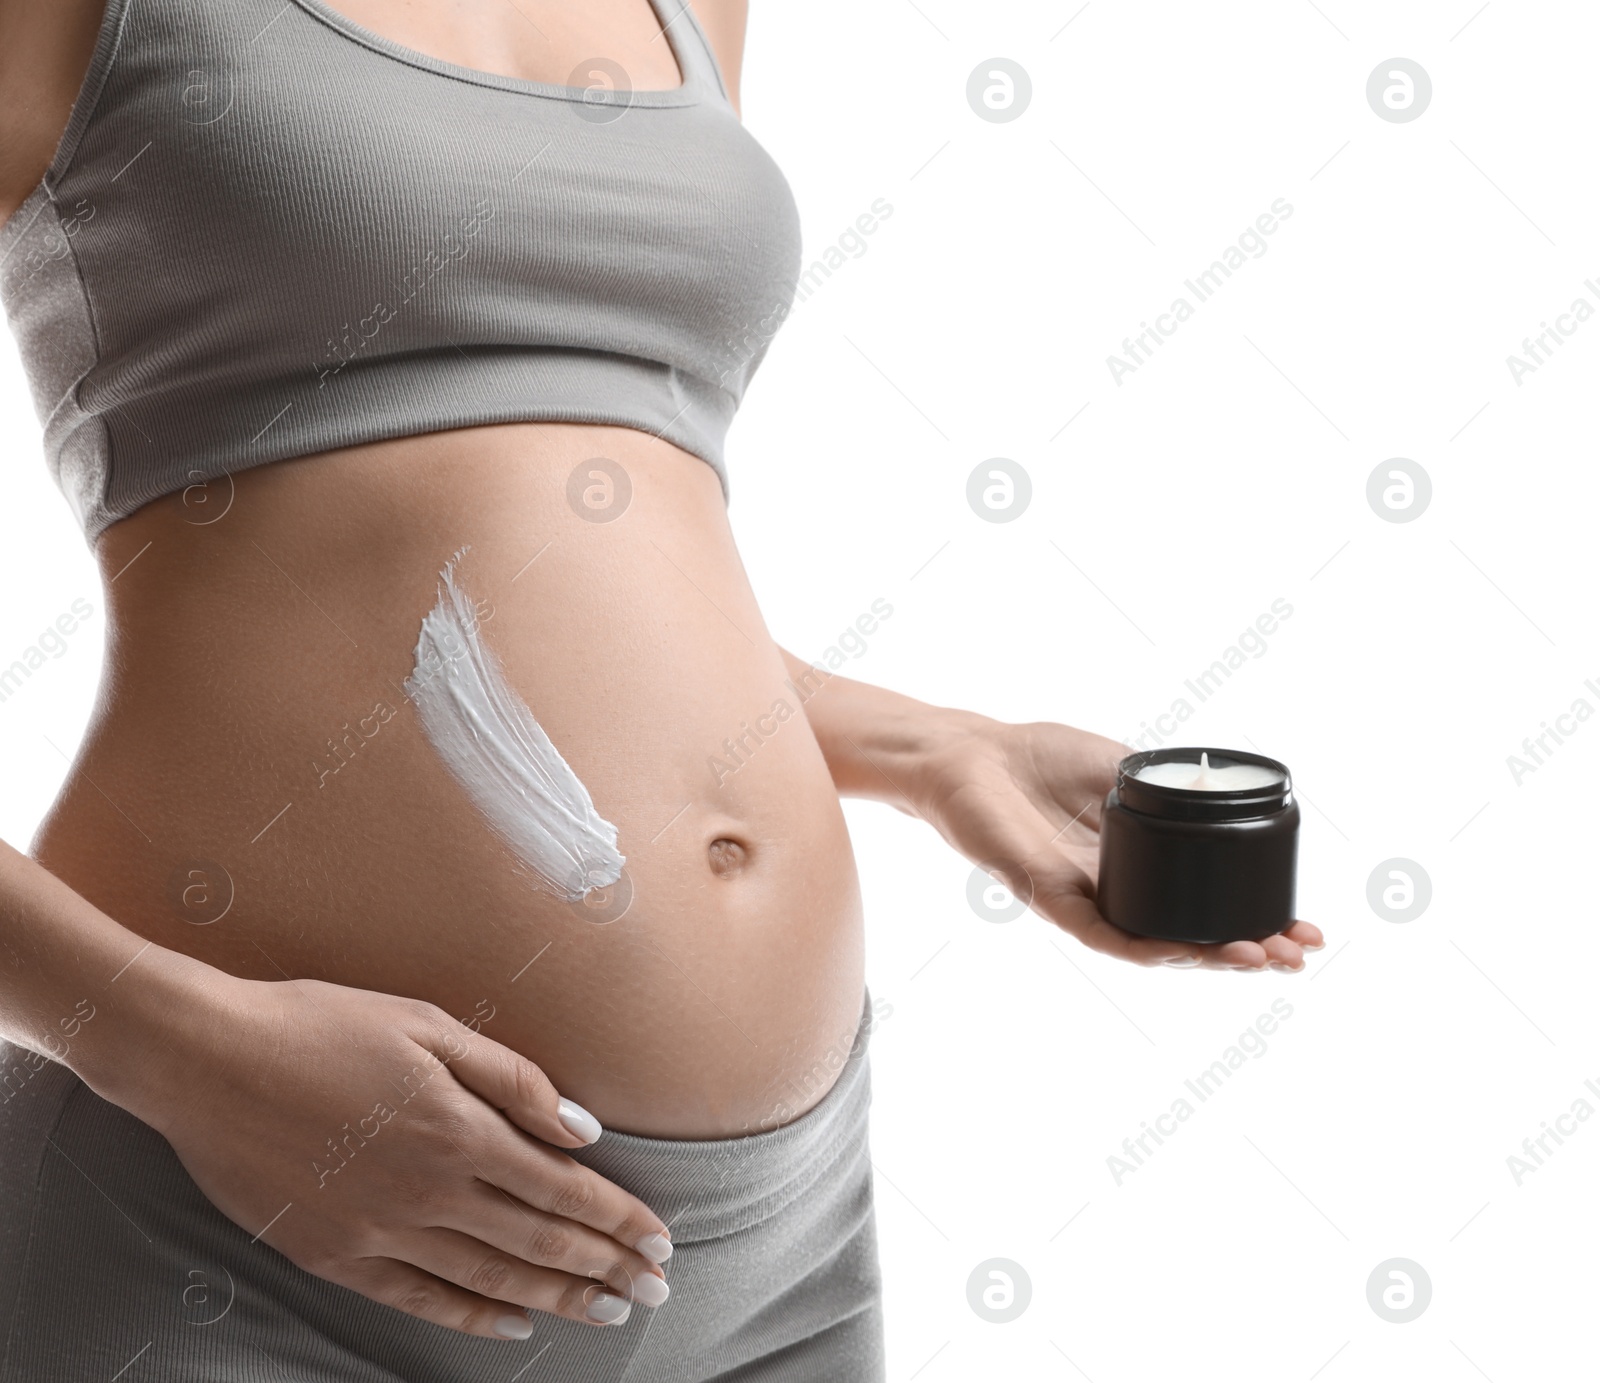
x: 497, y: 751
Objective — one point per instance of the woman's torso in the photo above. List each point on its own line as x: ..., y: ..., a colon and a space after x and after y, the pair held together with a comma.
x: 254, y: 750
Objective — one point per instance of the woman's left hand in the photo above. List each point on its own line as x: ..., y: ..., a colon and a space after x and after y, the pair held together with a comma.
x: 1024, y: 802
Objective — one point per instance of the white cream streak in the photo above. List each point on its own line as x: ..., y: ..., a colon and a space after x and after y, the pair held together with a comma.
x: 496, y: 750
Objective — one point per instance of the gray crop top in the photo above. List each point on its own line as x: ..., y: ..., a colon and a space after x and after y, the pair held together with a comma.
x: 269, y: 232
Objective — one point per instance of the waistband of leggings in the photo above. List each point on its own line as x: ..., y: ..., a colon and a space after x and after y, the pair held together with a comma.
x: 706, y: 1188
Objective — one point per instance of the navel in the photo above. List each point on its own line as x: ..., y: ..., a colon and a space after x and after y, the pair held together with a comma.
x: 727, y: 856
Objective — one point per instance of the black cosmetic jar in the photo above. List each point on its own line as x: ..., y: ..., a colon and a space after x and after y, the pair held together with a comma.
x: 1183, y: 864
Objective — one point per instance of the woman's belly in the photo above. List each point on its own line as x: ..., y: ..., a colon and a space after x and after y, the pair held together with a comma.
x: 255, y: 750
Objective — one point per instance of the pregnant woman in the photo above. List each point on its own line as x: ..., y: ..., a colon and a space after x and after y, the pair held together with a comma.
x: 444, y: 957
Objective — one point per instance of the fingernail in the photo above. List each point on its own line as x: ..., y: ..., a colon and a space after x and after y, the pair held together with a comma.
x: 607, y: 1309
x: 513, y: 1327
x: 650, y: 1289
x: 1318, y: 946
x: 1181, y: 962
x: 1279, y: 965
x: 656, y: 1247
x: 578, y: 1121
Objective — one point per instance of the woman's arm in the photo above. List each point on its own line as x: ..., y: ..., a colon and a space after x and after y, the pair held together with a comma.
x: 45, y: 46
x: 724, y: 24
x: 460, y: 1181
x: 80, y: 989
x: 1023, y: 801
x: 878, y: 743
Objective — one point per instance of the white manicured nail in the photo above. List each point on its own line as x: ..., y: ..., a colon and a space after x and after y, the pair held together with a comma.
x: 578, y: 1121
x: 513, y: 1327
x: 650, y: 1289
x: 656, y: 1247
x: 607, y: 1309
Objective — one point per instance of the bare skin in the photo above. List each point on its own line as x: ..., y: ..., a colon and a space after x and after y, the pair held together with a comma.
x: 257, y: 858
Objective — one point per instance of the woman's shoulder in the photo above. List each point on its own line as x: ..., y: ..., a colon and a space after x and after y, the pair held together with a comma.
x: 45, y: 49
x: 724, y: 25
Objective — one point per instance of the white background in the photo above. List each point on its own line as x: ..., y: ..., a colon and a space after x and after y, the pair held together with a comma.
x: 1229, y: 471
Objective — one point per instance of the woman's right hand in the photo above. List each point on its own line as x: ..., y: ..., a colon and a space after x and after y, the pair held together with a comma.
x: 380, y: 1144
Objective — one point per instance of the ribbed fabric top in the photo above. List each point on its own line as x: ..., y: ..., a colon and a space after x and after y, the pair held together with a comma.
x: 269, y: 232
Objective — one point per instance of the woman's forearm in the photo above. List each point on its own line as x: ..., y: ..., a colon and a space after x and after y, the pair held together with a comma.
x: 878, y: 743
x: 80, y: 988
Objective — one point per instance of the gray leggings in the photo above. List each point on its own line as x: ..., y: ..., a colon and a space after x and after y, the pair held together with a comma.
x: 113, y: 1264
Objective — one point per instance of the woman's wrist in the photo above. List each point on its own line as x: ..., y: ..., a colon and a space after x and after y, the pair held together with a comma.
x: 138, y: 1050
x: 78, y: 988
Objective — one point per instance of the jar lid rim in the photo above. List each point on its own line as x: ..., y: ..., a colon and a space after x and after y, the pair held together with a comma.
x: 1217, y: 804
